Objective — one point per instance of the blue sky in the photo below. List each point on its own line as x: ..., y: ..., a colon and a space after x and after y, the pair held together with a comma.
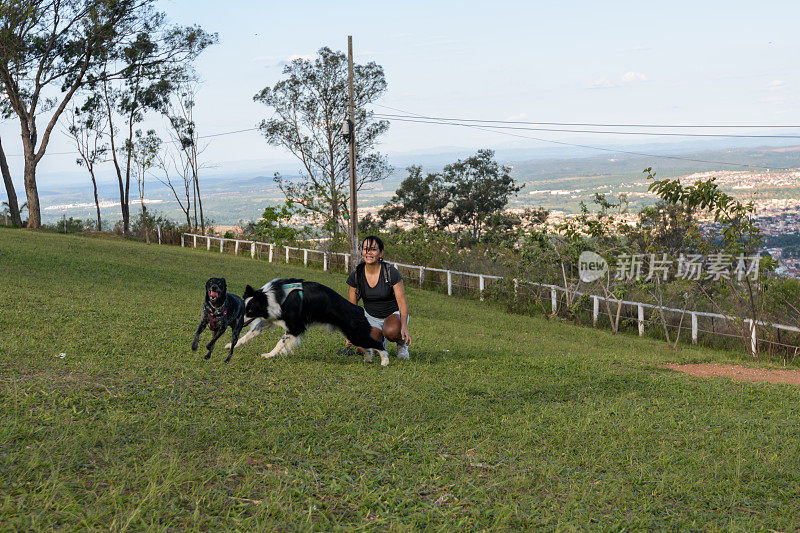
x: 676, y: 62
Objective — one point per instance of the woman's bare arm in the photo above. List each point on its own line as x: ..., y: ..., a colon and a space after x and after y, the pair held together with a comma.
x: 400, y: 296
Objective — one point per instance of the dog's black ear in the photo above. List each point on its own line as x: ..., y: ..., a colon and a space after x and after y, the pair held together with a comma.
x: 249, y: 291
x: 223, y: 283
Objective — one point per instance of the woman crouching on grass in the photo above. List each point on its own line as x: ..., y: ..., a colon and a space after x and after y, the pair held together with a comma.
x: 381, y: 287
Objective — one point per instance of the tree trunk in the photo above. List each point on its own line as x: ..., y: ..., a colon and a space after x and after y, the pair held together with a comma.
x: 144, y: 222
x: 126, y: 218
x: 34, y: 213
x: 126, y: 212
x: 200, y: 202
x: 96, y: 202
x: 194, y: 202
x: 13, y: 205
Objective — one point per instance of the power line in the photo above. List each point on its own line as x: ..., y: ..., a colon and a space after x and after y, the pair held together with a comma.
x: 407, y: 118
x: 226, y: 133
x: 169, y: 140
x: 563, y: 143
x: 596, y: 124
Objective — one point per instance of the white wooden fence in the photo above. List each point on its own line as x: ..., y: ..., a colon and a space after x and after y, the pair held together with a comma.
x: 481, y: 282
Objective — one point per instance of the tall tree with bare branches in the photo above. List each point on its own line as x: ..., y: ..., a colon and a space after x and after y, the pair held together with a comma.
x: 185, y: 136
x: 88, y: 127
x: 309, y: 107
x: 50, y: 49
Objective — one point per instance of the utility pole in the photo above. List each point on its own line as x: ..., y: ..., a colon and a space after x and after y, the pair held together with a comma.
x: 352, y: 142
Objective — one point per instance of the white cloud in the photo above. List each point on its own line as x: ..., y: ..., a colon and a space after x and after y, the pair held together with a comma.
x: 606, y: 82
x: 291, y: 58
x: 277, y: 61
x: 633, y: 76
x: 776, y: 85
x: 603, y: 83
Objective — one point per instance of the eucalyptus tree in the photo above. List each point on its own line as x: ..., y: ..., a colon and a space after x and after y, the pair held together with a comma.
x: 309, y: 106
x: 146, y: 87
x: 183, y: 130
x: 171, y: 164
x: 88, y: 127
x: 51, y: 49
x: 145, y: 151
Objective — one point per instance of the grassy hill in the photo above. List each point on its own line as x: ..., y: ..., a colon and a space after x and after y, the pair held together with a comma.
x: 498, y: 421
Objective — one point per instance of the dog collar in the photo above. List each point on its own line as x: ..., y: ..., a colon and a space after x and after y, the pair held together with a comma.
x: 215, y: 311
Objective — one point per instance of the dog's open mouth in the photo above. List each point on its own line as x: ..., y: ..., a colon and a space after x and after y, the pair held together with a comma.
x: 214, y: 295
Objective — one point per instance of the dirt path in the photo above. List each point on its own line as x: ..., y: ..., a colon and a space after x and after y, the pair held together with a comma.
x: 739, y: 373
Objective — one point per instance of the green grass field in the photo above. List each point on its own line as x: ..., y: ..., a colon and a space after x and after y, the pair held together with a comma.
x: 498, y: 422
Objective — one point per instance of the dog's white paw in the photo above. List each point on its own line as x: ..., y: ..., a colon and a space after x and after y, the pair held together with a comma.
x: 228, y: 346
x: 268, y: 355
x: 384, y: 358
x: 367, y: 357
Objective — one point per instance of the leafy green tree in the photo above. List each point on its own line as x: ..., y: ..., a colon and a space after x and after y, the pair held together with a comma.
x: 665, y: 227
x: 51, y: 49
x: 509, y: 229
x: 275, y: 224
x: 479, y: 187
x: 370, y: 225
x: 738, y: 235
x: 309, y: 107
x: 145, y: 150
x: 419, y: 199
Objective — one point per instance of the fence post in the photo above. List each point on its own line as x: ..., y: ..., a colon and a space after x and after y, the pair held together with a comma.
x: 421, y: 276
x: 480, y: 286
x: 287, y: 254
x: 252, y: 249
x: 449, y: 283
x: 236, y: 248
x: 305, y: 257
x: 694, y: 328
x: 324, y: 262
x: 270, y: 253
x: 347, y: 262
x: 753, y: 339
x: 640, y: 308
x: 516, y: 287
x: 208, y: 243
x: 553, y: 301
x: 221, y: 244
x: 194, y: 237
x: 159, y: 233
x: 183, y: 244
x: 595, y: 309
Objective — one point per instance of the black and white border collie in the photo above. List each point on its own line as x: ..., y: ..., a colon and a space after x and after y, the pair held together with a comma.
x: 295, y: 305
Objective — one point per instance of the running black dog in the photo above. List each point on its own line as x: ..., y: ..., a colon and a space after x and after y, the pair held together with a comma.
x: 295, y: 305
x: 220, y: 311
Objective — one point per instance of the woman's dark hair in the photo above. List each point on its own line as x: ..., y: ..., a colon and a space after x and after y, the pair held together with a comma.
x: 372, y: 239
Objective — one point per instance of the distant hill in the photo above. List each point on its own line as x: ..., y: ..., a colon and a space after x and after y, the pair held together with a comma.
x: 243, y: 196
